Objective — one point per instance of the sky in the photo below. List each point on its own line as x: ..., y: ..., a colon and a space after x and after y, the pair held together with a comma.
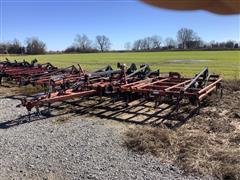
x: 56, y: 22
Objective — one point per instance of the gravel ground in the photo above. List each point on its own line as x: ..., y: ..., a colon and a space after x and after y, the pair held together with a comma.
x: 82, y: 147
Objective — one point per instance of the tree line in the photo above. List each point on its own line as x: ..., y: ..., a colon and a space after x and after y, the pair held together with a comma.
x: 33, y: 46
x: 185, y: 39
x: 82, y: 44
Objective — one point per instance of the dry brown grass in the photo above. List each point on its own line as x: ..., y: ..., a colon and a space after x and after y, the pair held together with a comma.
x: 148, y: 139
x: 233, y: 84
x: 29, y: 90
x: 208, y: 144
x: 193, y: 151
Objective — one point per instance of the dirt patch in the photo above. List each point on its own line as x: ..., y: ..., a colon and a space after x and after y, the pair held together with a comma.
x: 207, y: 144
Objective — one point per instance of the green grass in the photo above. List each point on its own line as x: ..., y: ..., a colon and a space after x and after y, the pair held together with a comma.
x: 225, y: 63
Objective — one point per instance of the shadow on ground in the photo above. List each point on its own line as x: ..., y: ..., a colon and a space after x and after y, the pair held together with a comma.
x: 137, y: 112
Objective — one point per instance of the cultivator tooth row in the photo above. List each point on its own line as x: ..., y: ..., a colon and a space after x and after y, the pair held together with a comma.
x: 72, y: 82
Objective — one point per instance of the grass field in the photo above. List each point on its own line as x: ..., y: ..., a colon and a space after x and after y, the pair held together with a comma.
x: 225, y: 63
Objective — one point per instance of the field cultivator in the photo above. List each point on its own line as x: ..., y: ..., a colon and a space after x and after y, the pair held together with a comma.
x: 19, y: 70
x: 130, y: 84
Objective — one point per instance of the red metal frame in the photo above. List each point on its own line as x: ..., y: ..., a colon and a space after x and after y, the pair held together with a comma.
x: 56, y: 97
x: 173, y: 86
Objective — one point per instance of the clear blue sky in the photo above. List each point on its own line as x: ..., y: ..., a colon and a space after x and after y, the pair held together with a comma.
x: 57, y: 22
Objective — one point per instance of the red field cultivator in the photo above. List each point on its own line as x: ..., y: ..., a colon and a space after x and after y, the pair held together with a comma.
x: 124, y: 83
x: 133, y: 83
x: 19, y: 70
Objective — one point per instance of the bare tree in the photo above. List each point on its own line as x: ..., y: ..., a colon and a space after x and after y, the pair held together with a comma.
x: 35, y: 46
x: 11, y: 47
x: 185, y: 36
x: 103, y: 43
x: 170, y: 43
x: 156, y: 42
x: 146, y: 44
x: 82, y: 42
x: 15, y: 47
x: 137, y: 45
x: 4, y: 48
